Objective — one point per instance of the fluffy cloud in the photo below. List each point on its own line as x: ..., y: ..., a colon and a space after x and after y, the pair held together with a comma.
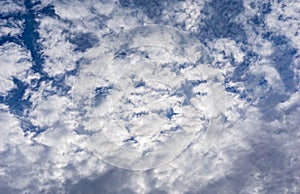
x: 255, y: 152
x: 15, y: 62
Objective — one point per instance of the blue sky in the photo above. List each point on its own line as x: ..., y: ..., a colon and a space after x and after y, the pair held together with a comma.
x: 228, y: 69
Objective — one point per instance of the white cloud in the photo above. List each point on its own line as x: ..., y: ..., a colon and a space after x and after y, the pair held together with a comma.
x: 15, y: 62
x: 48, y: 111
x: 18, y: 153
x: 59, y: 55
x: 187, y: 13
x: 46, y: 161
x: 11, y: 6
x: 153, y: 64
x: 74, y: 10
x: 11, y: 132
x: 58, y: 159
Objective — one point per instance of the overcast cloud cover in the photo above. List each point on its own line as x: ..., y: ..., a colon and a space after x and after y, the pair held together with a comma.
x: 218, y: 78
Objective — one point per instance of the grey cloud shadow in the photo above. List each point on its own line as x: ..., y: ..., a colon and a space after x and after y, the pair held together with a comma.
x: 113, y: 181
x: 266, y: 165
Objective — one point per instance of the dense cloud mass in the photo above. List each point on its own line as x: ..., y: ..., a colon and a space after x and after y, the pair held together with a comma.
x: 154, y: 97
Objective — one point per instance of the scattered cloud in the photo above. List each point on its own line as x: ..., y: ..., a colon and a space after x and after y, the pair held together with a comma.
x: 256, y: 150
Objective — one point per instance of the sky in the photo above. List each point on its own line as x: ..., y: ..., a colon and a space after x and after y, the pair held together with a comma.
x: 132, y: 96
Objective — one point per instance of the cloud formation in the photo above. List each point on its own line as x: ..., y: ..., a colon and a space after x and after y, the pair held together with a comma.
x: 46, y: 113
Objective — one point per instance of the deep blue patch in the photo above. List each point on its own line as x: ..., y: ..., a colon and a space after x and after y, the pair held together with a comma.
x: 243, y: 95
x: 14, y: 98
x: 30, y: 37
x: 10, y: 38
x: 266, y: 8
x: 232, y: 89
x: 219, y: 23
x: 140, y: 83
x: 131, y: 140
x: 48, y: 10
x: 27, y: 126
x: 84, y: 41
x: 262, y: 81
x: 170, y: 113
x: 121, y: 55
x: 257, y: 20
x: 276, y: 40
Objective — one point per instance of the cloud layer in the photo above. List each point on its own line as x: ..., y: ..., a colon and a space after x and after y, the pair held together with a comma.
x: 56, y: 85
